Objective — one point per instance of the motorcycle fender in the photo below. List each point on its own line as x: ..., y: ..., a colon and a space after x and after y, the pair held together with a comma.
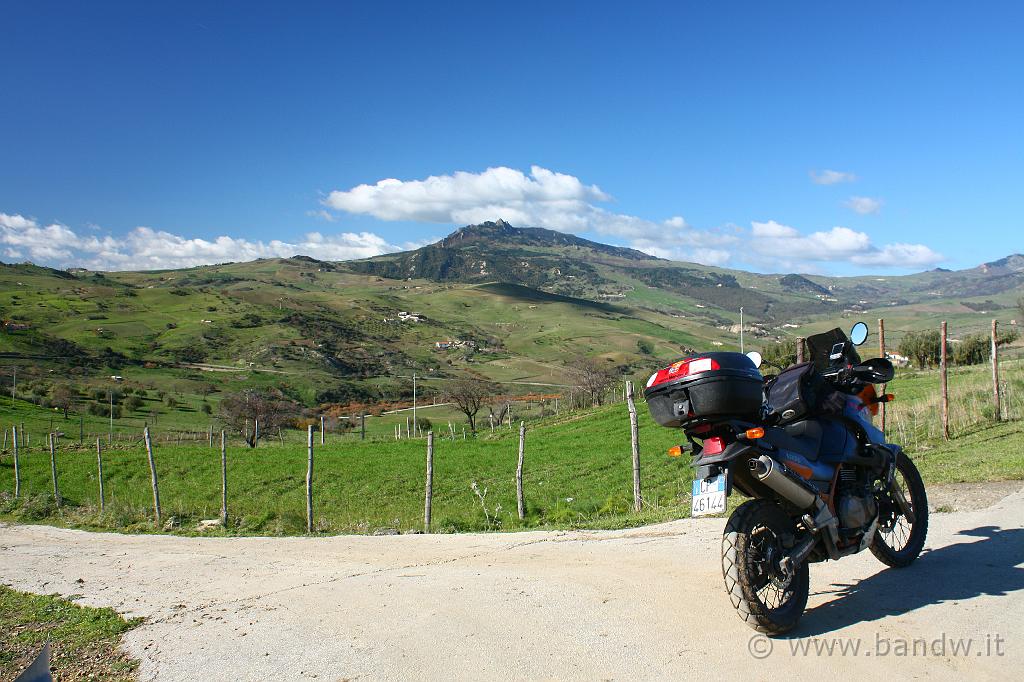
x: 722, y: 463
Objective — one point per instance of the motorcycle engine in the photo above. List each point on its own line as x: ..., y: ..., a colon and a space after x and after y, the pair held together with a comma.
x: 855, y: 501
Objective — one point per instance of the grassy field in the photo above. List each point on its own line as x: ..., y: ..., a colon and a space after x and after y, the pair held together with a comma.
x: 577, y: 473
x: 84, y: 641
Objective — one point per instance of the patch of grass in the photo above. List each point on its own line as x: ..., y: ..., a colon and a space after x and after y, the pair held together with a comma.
x: 84, y: 641
x: 994, y: 453
x: 578, y: 472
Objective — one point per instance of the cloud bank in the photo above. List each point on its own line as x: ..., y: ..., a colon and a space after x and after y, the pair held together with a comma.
x: 544, y: 198
x: 144, y: 248
x: 786, y: 245
x: 541, y: 198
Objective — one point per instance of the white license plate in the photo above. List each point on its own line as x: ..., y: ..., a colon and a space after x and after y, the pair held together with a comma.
x: 708, y: 496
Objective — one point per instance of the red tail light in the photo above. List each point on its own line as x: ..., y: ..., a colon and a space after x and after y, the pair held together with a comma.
x: 712, y: 446
x: 681, y: 369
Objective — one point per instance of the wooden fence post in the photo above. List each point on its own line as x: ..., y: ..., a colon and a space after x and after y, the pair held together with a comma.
x: 995, y: 372
x: 362, y: 426
x: 429, y: 488
x: 881, y: 352
x: 634, y: 432
x: 943, y: 381
x: 799, y: 349
x: 223, y: 479
x: 211, y: 435
x: 152, y: 475
x: 309, y: 479
x: 99, y: 474
x: 520, y: 504
x: 5, y: 439
x: 17, y: 471
x: 323, y: 435
x: 255, y: 432
x: 53, y: 470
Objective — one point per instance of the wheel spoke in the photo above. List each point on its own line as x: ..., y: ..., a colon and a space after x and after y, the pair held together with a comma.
x: 895, y: 529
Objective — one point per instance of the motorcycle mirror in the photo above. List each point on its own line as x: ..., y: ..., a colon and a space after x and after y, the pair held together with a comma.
x: 859, y: 333
x: 755, y: 357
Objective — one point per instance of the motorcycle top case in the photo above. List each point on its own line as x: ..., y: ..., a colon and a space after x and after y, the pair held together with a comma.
x: 704, y: 388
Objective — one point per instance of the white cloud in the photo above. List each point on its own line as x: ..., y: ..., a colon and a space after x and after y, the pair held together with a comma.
x: 543, y: 198
x: 147, y: 249
x: 863, y: 205
x: 831, y: 177
x: 463, y: 197
x: 321, y: 214
x: 783, y: 245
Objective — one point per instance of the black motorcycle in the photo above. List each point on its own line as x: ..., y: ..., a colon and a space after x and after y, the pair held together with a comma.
x: 822, y: 479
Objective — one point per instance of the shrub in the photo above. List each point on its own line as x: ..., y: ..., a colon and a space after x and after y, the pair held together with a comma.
x: 103, y: 410
x: 924, y: 348
x: 781, y: 354
x: 971, y: 350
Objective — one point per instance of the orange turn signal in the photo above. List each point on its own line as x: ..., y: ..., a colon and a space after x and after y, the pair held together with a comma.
x: 889, y: 397
x: 754, y: 434
x: 675, y: 451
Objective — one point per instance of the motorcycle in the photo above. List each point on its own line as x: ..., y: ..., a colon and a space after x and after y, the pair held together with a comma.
x: 823, y: 482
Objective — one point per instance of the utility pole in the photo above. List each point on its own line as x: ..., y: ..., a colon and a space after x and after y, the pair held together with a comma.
x: 741, y: 329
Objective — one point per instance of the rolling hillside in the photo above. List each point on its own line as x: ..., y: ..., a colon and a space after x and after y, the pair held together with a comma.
x: 510, y: 304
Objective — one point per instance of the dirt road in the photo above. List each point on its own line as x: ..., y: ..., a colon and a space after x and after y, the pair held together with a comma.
x: 637, y: 604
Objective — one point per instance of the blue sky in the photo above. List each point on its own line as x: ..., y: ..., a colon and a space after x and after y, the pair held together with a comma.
x: 137, y: 135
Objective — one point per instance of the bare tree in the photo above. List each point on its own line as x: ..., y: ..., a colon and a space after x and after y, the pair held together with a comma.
x: 469, y: 395
x: 62, y: 397
x: 594, y: 378
x: 206, y: 389
x: 240, y: 412
x: 499, y: 409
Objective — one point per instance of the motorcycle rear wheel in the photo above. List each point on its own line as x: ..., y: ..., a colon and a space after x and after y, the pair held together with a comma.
x: 898, y: 541
x: 765, y: 597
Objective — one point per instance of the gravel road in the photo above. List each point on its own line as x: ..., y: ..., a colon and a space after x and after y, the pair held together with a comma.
x: 637, y: 604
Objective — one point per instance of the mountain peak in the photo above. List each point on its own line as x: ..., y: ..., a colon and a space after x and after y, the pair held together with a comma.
x: 1012, y: 263
x: 504, y: 235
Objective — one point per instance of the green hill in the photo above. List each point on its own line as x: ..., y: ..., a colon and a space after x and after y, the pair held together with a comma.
x: 512, y: 305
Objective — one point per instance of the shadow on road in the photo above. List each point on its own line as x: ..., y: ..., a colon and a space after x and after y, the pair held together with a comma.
x: 952, y: 573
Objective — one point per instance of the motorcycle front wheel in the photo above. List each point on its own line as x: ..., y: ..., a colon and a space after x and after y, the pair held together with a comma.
x: 766, y: 597
x: 899, y: 539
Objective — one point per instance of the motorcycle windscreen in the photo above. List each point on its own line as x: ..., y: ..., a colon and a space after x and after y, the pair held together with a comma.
x: 819, y: 348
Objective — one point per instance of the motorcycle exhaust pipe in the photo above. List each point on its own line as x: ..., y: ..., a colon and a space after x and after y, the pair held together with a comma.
x: 776, y: 476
